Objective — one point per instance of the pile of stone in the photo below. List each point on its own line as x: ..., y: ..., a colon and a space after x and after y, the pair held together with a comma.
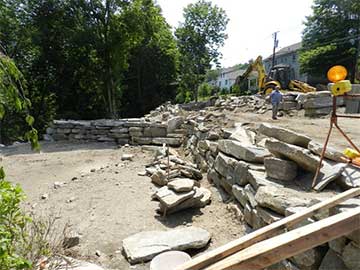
x: 317, y: 104
x: 123, y: 131
x: 266, y: 173
x: 179, y: 184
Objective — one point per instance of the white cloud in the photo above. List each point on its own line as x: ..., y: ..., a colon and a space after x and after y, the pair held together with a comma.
x: 251, y: 24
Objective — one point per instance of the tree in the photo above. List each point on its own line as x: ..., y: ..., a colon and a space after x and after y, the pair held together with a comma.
x: 199, y: 39
x: 331, y: 36
x: 153, y: 64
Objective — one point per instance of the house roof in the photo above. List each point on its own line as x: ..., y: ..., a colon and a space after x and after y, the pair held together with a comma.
x: 288, y: 49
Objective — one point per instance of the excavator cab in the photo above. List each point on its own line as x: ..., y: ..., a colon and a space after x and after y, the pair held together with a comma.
x: 282, y: 74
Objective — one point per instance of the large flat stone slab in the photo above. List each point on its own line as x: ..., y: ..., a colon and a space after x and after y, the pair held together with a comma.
x: 144, y: 246
x: 280, y: 169
x: 285, y: 135
x: 181, y: 184
x: 303, y: 157
x: 169, y: 198
x: 201, y: 198
x: 279, y: 199
x: 243, y: 152
x: 330, y: 153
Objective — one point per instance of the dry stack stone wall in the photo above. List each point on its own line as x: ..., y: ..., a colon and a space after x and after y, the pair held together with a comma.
x: 124, y: 131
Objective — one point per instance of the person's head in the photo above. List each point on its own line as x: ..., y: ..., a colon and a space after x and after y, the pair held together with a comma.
x: 277, y: 88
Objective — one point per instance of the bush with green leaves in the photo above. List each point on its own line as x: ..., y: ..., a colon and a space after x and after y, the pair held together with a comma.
x: 12, y: 226
x: 12, y: 97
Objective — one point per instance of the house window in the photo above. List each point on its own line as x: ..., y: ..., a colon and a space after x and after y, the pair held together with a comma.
x: 294, y: 58
x: 220, y: 84
x: 226, y: 82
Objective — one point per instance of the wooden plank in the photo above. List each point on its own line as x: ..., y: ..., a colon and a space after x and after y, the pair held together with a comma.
x: 286, y: 245
x: 263, y: 233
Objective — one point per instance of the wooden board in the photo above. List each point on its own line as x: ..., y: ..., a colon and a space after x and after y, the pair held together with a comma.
x: 264, y: 233
x: 286, y: 245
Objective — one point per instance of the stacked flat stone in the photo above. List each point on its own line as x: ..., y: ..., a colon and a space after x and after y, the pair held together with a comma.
x: 123, y: 131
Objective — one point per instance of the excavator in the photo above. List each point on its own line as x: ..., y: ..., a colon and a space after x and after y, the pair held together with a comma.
x: 279, y: 75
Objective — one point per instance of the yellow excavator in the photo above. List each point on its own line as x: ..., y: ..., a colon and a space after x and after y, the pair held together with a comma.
x: 279, y: 75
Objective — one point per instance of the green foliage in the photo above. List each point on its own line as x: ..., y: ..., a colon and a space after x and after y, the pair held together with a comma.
x: 199, y: 39
x: 205, y: 90
x: 12, y: 96
x: 330, y: 37
x: 150, y: 79
x: 89, y: 59
x: 12, y: 225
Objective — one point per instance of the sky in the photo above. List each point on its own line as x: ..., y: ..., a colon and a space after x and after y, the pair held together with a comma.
x: 251, y: 25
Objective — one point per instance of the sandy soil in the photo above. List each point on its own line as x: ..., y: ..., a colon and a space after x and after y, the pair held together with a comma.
x: 109, y: 201
x: 105, y: 200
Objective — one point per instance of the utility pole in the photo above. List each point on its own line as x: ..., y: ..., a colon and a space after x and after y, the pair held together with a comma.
x: 276, y: 43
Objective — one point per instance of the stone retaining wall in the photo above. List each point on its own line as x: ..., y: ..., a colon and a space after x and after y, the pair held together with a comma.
x: 242, y: 170
x: 123, y: 131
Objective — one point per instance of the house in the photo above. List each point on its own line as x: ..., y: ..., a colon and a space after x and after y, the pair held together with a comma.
x: 227, y: 78
x: 287, y: 56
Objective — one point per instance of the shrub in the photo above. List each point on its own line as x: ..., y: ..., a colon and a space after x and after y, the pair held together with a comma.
x: 12, y: 226
x: 25, y: 241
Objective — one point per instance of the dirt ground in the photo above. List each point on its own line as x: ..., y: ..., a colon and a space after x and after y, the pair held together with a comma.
x: 104, y: 199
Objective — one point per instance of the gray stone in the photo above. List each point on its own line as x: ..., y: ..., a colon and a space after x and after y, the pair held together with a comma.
x: 241, y: 152
x: 330, y: 153
x: 143, y: 246
x: 249, y: 215
x: 267, y: 215
x: 283, y: 265
x: 258, y: 178
x: 191, y: 172
x: 240, y: 134
x: 224, y: 164
x: 250, y: 195
x: 310, y: 259
x: 155, y: 132
x: 280, y: 169
x: 241, y: 173
x: 175, y: 123
x: 285, y: 135
x: 319, y: 102
x: 318, y: 112
x: 201, y: 198
x: 288, y: 105
x: 328, y: 174
x: 159, y: 177
x: 350, y: 178
x: 278, y: 199
x: 181, y: 184
x: 301, y: 156
x: 169, y: 198
x: 142, y: 140
x: 239, y: 194
x: 168, y: 141
x: 351, y: 256
x: 119, y: 130
x: 332, y: 261
x: 105, y: 139
x: 338, y: 244
x: 50, y: 131
x: 213, y: 136
x: 127, y: 157
x: 295, y: 209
